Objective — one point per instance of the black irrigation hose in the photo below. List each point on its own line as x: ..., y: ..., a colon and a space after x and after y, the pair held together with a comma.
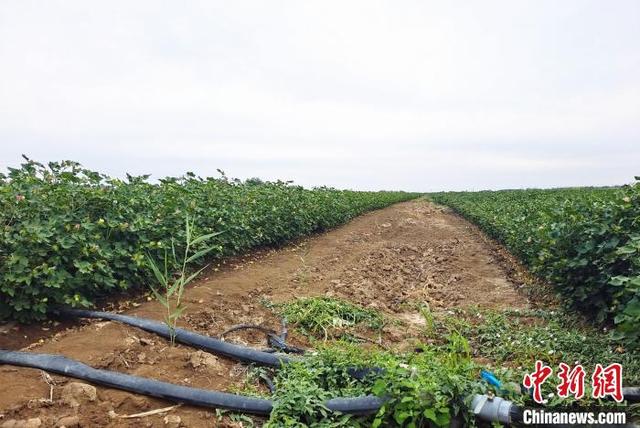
x: 352, y: 405
x: 631, y: 394
x: 277, y: 343
x: 365, y: 405
x: 216, y: 346
x: 182, y: 394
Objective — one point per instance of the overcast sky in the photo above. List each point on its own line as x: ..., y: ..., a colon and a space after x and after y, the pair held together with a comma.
x: 414, y: 95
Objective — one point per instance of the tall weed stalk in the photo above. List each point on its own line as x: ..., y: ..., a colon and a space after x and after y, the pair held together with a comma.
x: 171, y: 285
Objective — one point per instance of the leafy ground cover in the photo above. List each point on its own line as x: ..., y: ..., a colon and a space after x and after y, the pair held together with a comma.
x: 70, y: 234
x: 586, y: 241
x: 433, y: 381
x: 425, y: 387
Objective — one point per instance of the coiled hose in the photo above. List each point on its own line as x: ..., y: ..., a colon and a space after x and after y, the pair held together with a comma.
x: 182, y: 394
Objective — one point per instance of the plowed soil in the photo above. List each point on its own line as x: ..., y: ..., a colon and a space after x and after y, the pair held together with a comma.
x: 388, y: 260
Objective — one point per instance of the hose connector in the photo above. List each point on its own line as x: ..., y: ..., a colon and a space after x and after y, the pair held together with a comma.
x: 493, y: 409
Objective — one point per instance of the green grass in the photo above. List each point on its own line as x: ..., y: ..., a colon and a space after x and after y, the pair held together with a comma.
x: 324, y: 316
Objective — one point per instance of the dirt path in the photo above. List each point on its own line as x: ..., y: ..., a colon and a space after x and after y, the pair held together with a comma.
x: 389, y: 259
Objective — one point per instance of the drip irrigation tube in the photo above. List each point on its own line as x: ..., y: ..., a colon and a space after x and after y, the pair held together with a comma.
x: 631, y: 393
x: 216, y: 346
x: 198, y: 397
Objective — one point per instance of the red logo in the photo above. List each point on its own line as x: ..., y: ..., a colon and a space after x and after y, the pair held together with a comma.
x: 607, y: 381
x: 536, y: 379
x: 571, y: 381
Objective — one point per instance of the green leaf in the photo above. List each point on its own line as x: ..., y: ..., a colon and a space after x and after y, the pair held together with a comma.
x: 176, y: 286
x: 430, y: 414
x: 626, y: 250
x: 199, y: 254
x: 401, y: 416
x: 205, y: 237
x: 158, y: 296
x: 161, y: 278
x: 632, y: 308
x: 192, y: 276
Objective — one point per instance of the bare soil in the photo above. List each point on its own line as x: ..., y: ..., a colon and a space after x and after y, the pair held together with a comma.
x: 390, y: 260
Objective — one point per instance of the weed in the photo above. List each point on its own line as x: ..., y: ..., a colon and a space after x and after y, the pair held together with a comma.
x: 303, y: 274
x: 253, y: 383
x: 325, y: 315
x: 431, y: 385
x: 514, y: 340
x: 237, y: 419
x: 430, y: 326
x: 519, y: 338
x: 421, y: 388
x: 172, y: 285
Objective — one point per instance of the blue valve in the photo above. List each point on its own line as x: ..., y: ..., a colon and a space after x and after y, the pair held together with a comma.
x: 491, y: 378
